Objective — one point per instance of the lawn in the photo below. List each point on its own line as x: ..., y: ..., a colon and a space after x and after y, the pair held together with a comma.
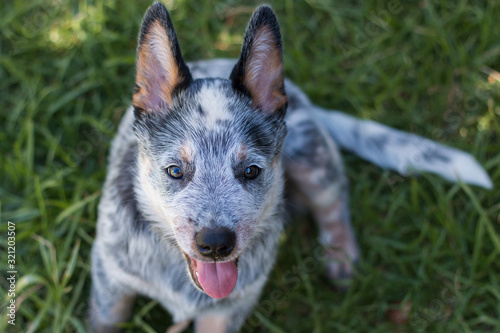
x: 430, y: 249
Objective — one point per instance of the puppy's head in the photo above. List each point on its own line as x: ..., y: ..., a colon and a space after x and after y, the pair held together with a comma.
x: 209, y: 167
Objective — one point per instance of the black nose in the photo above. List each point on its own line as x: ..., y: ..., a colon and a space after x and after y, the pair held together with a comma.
x: 216, y: 243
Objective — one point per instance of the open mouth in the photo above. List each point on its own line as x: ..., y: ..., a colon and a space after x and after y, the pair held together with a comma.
x: 216, y: 279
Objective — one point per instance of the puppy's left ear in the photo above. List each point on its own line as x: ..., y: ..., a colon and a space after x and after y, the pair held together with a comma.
x: 161, y: 71
x: 259, y: 70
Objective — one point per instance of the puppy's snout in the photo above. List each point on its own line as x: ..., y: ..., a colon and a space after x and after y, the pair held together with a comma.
x: 215, y: 243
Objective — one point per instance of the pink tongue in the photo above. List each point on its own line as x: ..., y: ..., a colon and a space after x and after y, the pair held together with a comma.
x: 217, y: 279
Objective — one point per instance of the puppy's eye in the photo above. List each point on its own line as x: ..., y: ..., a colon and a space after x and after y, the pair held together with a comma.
x: 175, y: 172
x: 251, y: 172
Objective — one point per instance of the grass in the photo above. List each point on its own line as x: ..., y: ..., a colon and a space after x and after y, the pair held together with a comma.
x: 430, y: 249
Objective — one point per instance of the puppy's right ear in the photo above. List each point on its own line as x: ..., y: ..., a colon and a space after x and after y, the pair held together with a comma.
x: 161, y: 71
x: 259, y: 70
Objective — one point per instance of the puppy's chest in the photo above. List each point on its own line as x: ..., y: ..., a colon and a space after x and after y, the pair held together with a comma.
x: 157, y: 272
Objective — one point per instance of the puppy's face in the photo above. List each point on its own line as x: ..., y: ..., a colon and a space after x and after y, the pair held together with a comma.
x: 209, y: 173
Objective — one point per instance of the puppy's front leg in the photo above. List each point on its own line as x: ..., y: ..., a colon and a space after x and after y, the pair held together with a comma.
x: 212, y: 324
x: 227, y: 320
x: 110, y: 303
x: 313, y: 166
x: 179, y: 327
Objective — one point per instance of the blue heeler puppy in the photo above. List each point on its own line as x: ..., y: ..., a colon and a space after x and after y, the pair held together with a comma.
x: 192, y: 207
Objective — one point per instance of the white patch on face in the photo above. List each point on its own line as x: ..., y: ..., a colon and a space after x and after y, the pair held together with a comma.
x: 214, y: 105
x: 172, y: 220
x: 154, y: 205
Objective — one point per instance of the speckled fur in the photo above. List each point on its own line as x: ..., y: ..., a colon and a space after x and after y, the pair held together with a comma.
x: 214, y: 127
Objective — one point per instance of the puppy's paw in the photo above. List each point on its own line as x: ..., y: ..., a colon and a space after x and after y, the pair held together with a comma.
x: 340, y: 264
x: 179, y: 327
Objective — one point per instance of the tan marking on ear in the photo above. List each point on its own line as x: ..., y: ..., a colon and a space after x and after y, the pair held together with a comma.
x: 264, y: 71
x: 157, y: 70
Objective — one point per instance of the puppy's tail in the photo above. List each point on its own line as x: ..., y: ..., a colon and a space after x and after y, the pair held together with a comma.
x: 401, y: 151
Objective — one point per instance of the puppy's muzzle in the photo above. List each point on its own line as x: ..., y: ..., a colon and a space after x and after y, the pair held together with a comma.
x: 216, y: 274
x: 215, y: 243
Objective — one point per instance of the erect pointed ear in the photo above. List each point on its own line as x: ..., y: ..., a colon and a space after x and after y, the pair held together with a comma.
x: 159, y: 64
x: 259, y: 70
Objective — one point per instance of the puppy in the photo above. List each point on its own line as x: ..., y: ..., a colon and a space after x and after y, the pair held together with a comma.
x: 193, y: 203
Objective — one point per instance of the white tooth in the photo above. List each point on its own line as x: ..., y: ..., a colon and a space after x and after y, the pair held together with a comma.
x: 196, y: 273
